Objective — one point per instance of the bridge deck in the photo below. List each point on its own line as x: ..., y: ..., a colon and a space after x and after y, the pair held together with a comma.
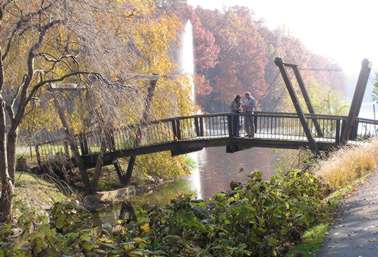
x: 192, y: 133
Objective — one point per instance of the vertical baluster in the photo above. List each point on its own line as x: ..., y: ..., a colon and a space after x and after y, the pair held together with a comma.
x: 210, y: 127
x: 292, y: 128
x: 196, y: 124
x: 219, y: 125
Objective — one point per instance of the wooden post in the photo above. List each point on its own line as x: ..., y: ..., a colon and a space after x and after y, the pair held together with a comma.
x: 66, y: 149
x: 255, y: 122
x: 174, y: 129
x: 358, y: 96
x: 337, y: 136
x: 178, y: 130
x: 313, y: 146
x: 354, y: 130
x: 38, y: 154
x: 125, y: 178
x: 197, y: 127
x: 230, y: 125
x: 307, y: 99
x: 202, y: 133
x: 83, y: 144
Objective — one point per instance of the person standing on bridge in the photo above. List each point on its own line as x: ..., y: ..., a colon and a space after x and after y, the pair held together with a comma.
x: 235, y: 121
x: 249, y: 106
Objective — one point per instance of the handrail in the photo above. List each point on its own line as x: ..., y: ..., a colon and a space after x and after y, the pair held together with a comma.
x: 210, y: 115
x: 277, y: 114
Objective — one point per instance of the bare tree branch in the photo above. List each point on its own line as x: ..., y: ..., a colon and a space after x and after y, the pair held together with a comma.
x: 30, y: 67
x: 20, y: 26
x: 57, y: 60
x: 24, y: 103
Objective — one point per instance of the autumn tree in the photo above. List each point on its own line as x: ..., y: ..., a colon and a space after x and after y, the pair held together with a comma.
x: 247, y: 49
x: 241, y: 59
x: 149, y: 41
x: 44, y: 42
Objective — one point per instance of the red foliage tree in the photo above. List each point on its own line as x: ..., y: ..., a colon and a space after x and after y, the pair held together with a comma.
x: 241, y: 60
x: 234, y: 53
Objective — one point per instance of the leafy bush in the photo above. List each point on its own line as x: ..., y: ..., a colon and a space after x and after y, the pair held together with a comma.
x: 261, y: 218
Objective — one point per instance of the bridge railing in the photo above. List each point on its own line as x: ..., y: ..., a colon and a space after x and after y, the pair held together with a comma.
x: 364, y: 129
x: 269, y: 126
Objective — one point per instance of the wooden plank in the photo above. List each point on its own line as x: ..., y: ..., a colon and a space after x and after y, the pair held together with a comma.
x: 313, y: 146
x: 358, y: 96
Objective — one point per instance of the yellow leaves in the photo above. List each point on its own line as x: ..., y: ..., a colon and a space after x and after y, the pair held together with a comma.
x: 138, y: 7
x: 38, y: 118
x: 172, y: 98
x: 153, y: 39
x: 145, y: 228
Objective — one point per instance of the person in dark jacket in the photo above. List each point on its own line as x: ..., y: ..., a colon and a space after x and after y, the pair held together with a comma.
x: 235, y: 119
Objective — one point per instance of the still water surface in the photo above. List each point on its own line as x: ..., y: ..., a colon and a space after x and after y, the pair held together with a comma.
x: 214, y: 171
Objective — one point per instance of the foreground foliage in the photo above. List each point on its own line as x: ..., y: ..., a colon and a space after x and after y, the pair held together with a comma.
x: 261, y: 218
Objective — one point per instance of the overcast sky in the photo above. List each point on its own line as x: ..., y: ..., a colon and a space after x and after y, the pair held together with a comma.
x: 345, y: 31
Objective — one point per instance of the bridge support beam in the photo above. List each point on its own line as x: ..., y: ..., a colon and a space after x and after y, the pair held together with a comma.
x: 351, y: 124
x: 75, y: 151
x: 313, y: 146
x: 306, y: 97
x: 125, y: 178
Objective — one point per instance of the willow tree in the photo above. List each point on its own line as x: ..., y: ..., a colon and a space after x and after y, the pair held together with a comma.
x: 49, y: 41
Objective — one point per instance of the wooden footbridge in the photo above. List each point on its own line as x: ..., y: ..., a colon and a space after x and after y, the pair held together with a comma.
x: 181, y: 135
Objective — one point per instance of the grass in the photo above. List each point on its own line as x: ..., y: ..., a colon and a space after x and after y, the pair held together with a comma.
x: 343, y: 172
x: 34, y: 193
x: 312, y: 241
x: 349, y: 164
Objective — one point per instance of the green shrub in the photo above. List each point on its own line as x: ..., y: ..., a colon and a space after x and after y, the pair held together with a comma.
x: 261, y: 218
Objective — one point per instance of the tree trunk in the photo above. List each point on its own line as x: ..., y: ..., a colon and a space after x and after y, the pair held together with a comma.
x: 6, y: 181
x: 11, y: 153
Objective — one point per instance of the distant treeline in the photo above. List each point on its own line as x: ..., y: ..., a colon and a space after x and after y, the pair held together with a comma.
x: 234, y: 52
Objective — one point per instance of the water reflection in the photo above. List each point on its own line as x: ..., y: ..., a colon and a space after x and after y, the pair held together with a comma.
x: 217, y: 169
x: 214, y: 172
x: 194, y: 179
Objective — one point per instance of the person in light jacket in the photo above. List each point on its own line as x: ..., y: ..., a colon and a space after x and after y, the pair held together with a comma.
x: 249, y: 106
